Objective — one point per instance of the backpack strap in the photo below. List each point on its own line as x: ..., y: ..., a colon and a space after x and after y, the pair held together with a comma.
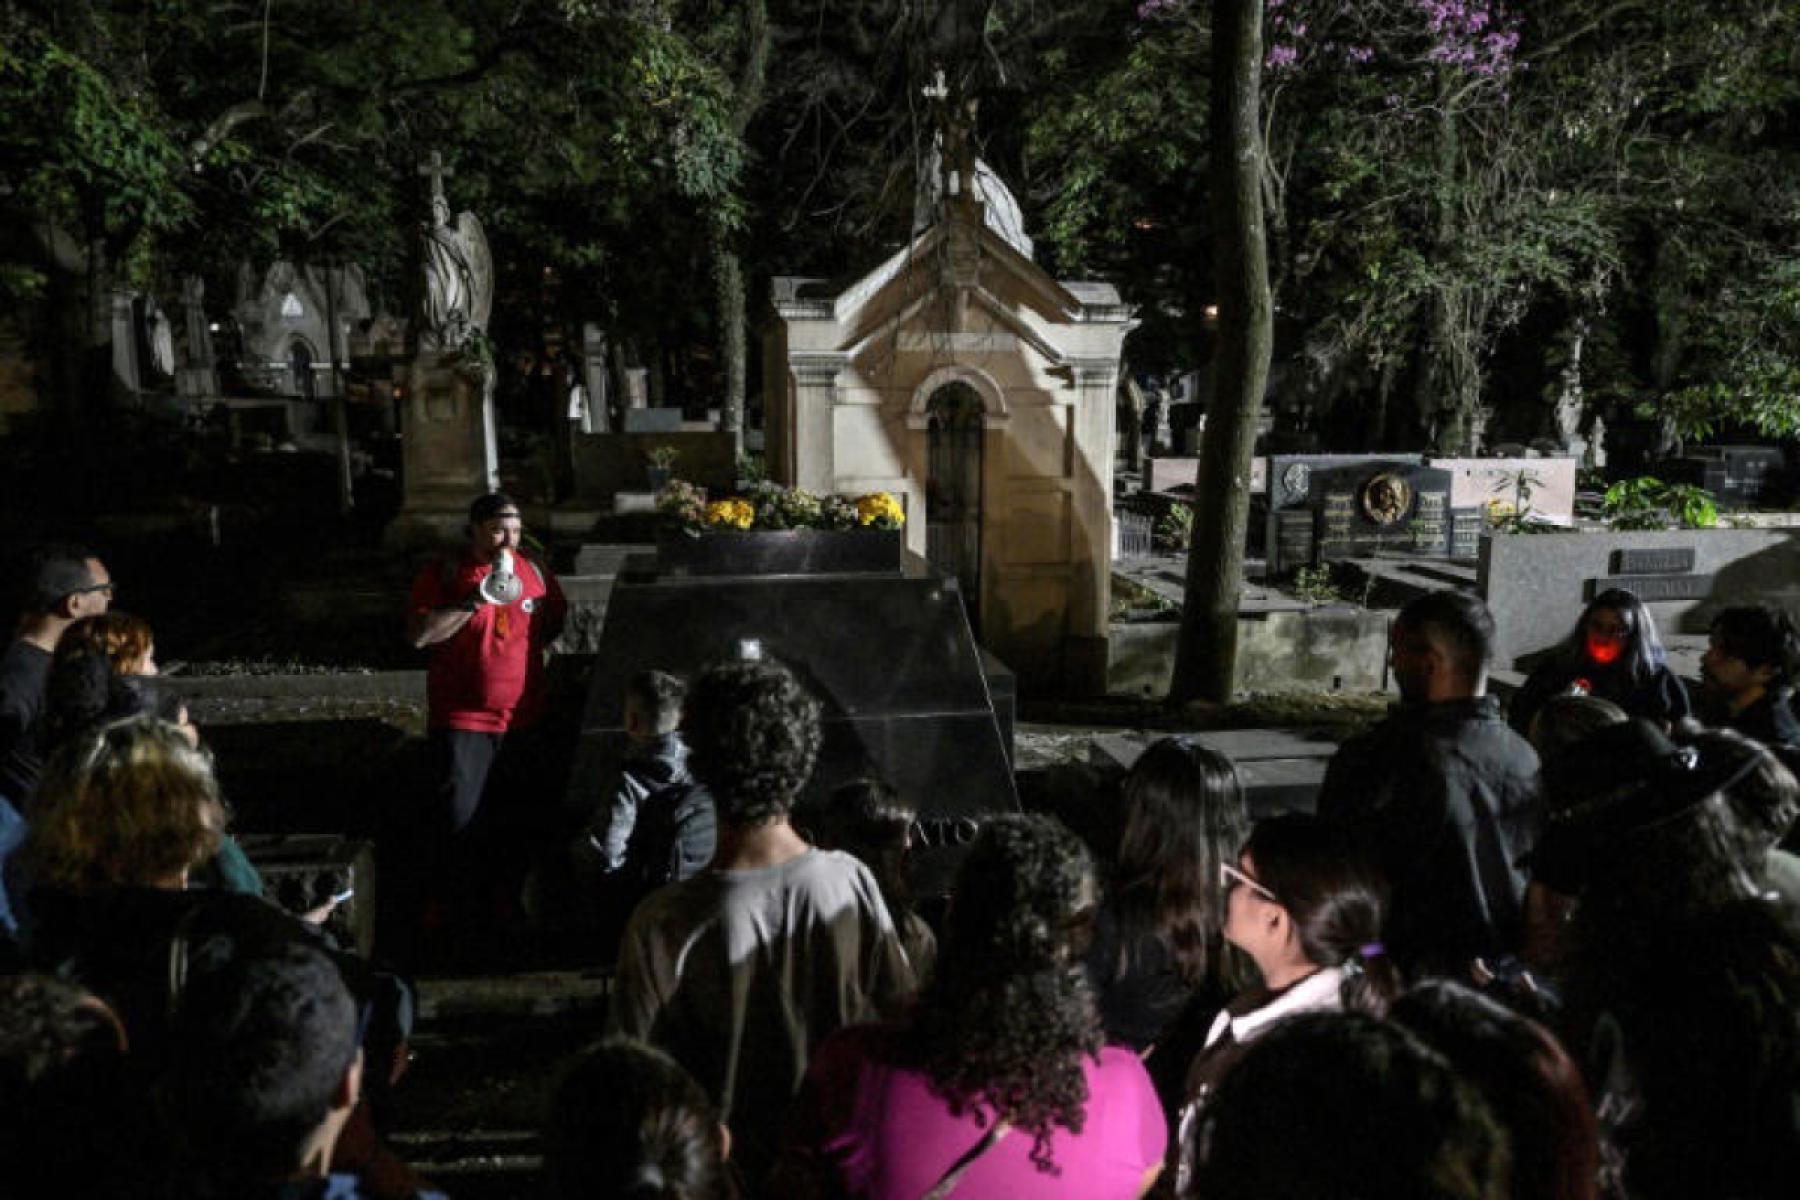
x: 945, y: 1185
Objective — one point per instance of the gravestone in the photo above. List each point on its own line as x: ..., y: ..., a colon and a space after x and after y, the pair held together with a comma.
x: 127, y: 368
x: 889, y: 653
x: 196, y: 377
x: 1294, y: 490
x: 1740, y: 476
x: 1328, y: 508
x: 653, y: 420
x: 1535, y: 585
x: 1479, y: 483
x: 598, y: 418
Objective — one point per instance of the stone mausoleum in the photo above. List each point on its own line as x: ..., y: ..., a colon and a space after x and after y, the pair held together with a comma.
x: 961, y: 377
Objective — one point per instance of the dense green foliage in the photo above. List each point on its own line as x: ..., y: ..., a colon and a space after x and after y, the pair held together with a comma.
x: 1475, y: 207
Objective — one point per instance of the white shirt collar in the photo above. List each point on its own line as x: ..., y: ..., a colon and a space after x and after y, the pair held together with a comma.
x: 1318, y: 991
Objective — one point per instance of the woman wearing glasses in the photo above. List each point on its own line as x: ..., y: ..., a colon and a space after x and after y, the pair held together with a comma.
x: 1307, y: 908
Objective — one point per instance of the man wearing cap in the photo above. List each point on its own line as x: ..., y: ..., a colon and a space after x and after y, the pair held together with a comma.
x: 66, y: 584
x: 1445, y: 792
x: 487, y: 635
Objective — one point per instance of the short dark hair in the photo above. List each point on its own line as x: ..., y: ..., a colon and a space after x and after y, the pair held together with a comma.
x: 62, y: 1057
x: 1526, y: 1076
x: 753, y: 735
x: 1761, y: 635
x: 487, y: 507
x: 261, y: 1039
x: 1459, y: 623
x: 659, y: 694
x: 1279, y: 1124
x: 54, y: 571
x: 628, y: 1121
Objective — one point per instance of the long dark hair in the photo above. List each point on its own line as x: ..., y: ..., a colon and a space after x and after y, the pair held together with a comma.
x: 629, y: 1124
x: 1336, y: 899
x: 870, y: 820
x: 1643, y: 650
x: 1184, y: 815
x: 1008, y: 1015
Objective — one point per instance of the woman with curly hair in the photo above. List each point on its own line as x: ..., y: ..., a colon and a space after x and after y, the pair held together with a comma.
x: 1000, y: 1084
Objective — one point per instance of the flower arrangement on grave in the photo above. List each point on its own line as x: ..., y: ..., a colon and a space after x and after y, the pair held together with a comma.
x: 838, y: 512
x: 684, y: 502
x: 766, y: 506
x: 730, y: 513
x: 780, y: 507
x: 879, y: 510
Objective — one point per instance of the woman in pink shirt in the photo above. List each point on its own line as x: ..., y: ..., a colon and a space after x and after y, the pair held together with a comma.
x: 999, y: 1084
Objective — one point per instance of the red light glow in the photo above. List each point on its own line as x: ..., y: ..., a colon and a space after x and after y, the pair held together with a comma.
x: 1603, y: 649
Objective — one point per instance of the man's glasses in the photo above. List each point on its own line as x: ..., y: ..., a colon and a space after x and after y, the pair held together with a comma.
x: 93, y: 587
x: 1230, y: 877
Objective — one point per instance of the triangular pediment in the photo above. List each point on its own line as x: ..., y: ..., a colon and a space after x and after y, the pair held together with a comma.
x: 915, y: 272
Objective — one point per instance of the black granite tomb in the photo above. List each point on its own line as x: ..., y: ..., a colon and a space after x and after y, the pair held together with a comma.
x: 1322, y: 508
x: 890, y: 654
x: 1739, y: 476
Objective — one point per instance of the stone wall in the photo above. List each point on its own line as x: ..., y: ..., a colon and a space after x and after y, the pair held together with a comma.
x: 1335, y: 648
x: 1536, y: 584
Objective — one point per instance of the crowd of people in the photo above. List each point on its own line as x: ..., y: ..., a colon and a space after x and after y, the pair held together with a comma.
x: 1548, y: 951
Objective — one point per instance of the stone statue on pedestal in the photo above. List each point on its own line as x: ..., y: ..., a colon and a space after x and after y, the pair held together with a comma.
x: 448, y: 437
x: 459, y: 273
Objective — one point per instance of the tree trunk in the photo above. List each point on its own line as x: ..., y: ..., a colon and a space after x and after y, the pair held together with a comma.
x: 340, y: 416
x: 96, y: 351
x: 728, y: 279
x: 728, y: 271
x: 1206, y: 659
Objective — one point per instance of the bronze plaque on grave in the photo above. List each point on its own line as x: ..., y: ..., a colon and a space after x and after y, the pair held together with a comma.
x: 1386, y: 498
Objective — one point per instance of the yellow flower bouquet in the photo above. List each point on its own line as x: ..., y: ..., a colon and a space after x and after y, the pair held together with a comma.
x: 730, y: 513
x: 879, y: 510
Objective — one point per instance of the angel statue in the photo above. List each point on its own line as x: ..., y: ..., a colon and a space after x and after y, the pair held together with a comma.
x: 459, y: 273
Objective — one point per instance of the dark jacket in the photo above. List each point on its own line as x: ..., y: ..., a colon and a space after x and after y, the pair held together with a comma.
x: 1659, y: 696
x: 1770, y: 720
x: 673, y: 839
x: 1447, y: 797
x: 652, y: 765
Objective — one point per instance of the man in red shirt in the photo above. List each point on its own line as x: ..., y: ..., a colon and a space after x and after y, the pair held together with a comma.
x: 487, y: 655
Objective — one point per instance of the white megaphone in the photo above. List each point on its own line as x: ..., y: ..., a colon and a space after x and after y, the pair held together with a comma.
x: 501, y: 586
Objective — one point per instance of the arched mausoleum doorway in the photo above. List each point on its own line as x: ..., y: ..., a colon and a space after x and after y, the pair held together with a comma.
x: 953, y: 489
